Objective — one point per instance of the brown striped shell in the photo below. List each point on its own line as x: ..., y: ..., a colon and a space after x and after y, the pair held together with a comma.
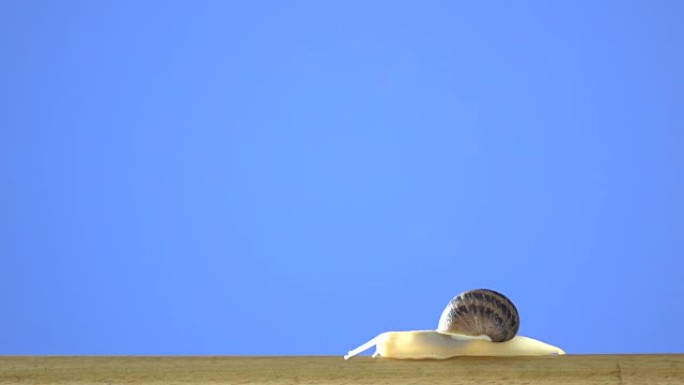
x: 480, y: 312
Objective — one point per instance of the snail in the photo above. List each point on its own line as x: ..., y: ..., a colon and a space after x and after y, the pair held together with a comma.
x: 478, y: 322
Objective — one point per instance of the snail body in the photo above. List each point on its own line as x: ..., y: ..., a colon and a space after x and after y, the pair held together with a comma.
x: 475, y: 323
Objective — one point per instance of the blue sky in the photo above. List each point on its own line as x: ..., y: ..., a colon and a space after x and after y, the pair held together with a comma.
x: 295, y: 177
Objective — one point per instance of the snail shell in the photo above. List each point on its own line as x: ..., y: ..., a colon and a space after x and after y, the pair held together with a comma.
x: 480, y: 312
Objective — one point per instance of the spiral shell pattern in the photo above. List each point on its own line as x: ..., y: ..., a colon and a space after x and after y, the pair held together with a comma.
x: 480, y: 312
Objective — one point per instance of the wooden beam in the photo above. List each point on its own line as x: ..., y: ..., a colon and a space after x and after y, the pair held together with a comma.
x: 566, y: 370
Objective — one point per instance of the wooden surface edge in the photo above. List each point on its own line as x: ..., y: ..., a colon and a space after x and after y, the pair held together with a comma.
x: 568, y: 369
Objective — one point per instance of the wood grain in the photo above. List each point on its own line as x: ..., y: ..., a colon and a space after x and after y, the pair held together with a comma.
x: 569, y: 369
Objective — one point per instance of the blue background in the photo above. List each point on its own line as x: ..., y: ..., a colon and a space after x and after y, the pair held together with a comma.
x: 295, y: 177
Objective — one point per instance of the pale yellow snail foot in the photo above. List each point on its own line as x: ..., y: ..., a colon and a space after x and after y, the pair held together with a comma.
x: 431, y: 344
